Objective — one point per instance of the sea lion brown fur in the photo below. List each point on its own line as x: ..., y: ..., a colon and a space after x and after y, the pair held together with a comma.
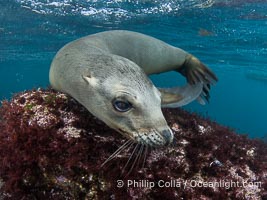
x: 107, y: 73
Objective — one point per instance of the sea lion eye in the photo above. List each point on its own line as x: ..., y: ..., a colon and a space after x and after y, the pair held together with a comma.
x: 122, y: 105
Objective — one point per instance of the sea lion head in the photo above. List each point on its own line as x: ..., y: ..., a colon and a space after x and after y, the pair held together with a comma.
x: 127, y: 101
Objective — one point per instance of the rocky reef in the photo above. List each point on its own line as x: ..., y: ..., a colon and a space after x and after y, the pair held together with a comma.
x: 53, y: 148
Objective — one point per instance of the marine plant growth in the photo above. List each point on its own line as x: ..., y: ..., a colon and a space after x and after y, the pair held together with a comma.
x: 53, y: 148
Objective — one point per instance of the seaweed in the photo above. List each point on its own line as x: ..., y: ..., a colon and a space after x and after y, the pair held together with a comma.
x: 52, y: 148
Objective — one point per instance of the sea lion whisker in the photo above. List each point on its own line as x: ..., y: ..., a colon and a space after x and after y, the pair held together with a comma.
x: 145, y: 155
x: 136, y: 160
x: 130, y: 158
x: 140, y: 154
x: 123, y: 146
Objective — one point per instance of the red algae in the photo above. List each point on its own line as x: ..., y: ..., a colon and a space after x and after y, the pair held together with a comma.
x: 53, y: 148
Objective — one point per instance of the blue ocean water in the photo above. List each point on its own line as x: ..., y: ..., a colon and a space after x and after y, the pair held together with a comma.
x: 230, y: 36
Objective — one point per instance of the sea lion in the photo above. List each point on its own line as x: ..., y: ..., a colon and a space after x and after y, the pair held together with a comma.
x: 107, y: 73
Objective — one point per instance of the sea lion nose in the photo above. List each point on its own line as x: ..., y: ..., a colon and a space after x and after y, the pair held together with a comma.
x: 168, y: 136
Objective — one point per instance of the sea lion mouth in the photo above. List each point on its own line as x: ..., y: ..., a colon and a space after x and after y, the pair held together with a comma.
x: 141, y: 143
x: 151, y: 137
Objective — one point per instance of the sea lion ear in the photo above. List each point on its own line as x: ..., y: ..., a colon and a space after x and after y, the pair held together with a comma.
x: 90, y: 80
x: 86, y: 78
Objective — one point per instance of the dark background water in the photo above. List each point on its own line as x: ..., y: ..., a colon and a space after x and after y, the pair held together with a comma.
x: 229, y: 36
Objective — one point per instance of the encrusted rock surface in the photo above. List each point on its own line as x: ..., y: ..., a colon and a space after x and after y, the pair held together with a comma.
x: 53, y: 148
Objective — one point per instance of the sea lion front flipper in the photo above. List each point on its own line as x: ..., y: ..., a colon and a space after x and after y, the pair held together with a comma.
x: 180, y: 96
x: 196, y: 72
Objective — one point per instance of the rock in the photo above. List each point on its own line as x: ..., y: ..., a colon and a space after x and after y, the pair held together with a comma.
x: 53, y: 148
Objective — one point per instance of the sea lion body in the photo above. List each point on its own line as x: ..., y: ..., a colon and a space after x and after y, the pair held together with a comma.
x: 107, y: 73
x: 152, y: 55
